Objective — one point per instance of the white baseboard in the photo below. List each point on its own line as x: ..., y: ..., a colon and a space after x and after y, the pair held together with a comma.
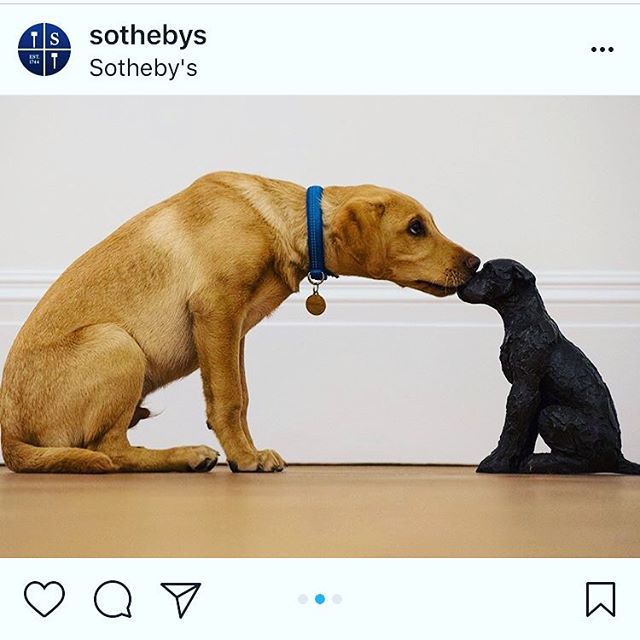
x: 596, y: 287
x: 387, y: 374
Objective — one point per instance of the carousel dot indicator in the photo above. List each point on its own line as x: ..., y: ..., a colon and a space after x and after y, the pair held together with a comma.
x: 319, y: 598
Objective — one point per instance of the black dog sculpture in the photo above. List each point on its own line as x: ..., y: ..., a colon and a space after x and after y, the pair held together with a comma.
x: 556, y: 391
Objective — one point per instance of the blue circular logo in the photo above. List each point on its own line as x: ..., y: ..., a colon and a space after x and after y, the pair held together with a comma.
x: 44, y: 49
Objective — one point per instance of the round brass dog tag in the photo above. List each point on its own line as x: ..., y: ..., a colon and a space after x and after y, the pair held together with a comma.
x: 315, y: 304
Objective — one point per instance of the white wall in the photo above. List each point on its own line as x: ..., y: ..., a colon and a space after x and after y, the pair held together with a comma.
x: 403, y: 377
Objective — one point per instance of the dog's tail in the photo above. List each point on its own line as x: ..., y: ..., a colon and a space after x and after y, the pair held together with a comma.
x: 629, y: 468
x: 27, y: 458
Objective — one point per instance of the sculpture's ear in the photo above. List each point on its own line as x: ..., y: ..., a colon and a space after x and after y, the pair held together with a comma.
x: 522, y: 274
x: 357, y: 232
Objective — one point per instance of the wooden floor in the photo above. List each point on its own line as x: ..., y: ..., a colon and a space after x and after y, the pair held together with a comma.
x: 319, y: 511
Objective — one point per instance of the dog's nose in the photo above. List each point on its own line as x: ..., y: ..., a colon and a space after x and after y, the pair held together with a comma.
x: 472, y: 263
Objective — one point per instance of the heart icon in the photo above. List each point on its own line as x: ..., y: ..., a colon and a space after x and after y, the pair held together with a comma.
x: 44, y: 598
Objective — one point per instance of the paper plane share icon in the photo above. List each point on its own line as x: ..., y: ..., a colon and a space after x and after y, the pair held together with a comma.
x: 183, y: 592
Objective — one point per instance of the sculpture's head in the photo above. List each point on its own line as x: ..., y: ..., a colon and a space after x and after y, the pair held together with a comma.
x: 498, y: 280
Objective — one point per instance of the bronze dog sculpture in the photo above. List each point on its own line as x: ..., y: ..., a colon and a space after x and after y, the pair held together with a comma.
x: 556, y: 390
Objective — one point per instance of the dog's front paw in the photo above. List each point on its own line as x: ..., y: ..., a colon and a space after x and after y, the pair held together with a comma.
x: 266, y: 460
x: 496, y: 463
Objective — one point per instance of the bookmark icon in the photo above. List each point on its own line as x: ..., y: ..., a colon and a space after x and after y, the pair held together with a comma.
x: 601, y: 596
x: 183, y: 592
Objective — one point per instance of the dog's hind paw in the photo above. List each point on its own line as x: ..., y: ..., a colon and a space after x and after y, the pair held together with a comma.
x: 202, y: 459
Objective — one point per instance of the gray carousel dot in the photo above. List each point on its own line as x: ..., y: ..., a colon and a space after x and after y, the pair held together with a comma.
x: 303, y: 599
x: 336, y: 599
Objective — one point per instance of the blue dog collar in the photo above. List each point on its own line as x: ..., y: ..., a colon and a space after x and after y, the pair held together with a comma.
x: 315, y: 240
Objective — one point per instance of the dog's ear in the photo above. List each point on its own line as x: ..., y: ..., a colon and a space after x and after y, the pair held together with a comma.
x: 522, y: 274
x: 358, y: 234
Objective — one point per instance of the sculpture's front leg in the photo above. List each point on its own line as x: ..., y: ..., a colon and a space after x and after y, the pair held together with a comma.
x: 519, y: 433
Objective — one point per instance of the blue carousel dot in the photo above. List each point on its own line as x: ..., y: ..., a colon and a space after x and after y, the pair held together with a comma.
x: 319, y: 599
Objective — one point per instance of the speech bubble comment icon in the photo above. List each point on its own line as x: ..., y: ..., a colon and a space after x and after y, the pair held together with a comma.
x: 113, y: 599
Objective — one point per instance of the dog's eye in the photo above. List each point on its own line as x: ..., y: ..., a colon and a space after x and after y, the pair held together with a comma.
x: 416, y: 228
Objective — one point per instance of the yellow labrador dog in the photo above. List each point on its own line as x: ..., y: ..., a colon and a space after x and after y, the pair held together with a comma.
x: 178, y: 287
